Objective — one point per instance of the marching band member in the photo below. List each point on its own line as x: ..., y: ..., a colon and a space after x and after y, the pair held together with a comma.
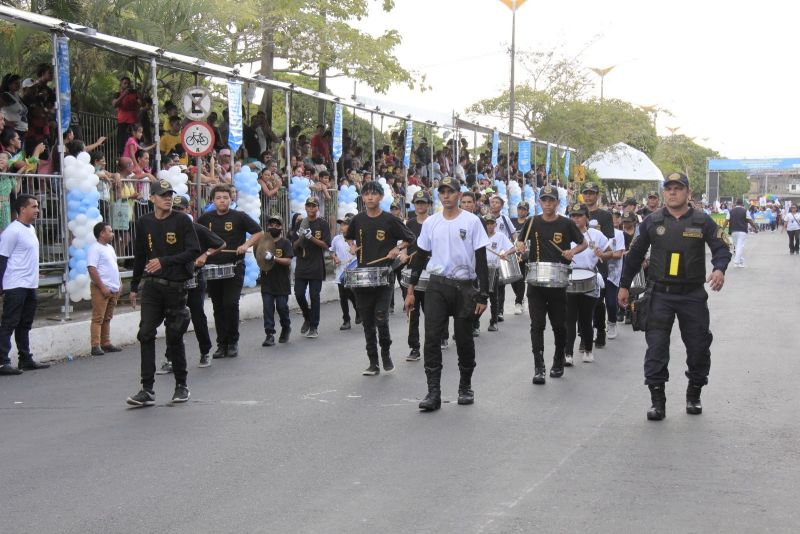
x: 276, y: 286
x: 499, y: 248
x: 341, y: 257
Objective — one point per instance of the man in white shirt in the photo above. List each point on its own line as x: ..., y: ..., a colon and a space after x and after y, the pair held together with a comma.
x: 19, y: 275
x: 101, y: 260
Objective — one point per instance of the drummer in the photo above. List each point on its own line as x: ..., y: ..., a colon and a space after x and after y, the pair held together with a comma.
x: 547, y: 238
x: 504, y: 226
x: 591, y: 196
x: 275, y: 284
x: 580, y: 306
x: 373, y: 235
x: 341, y: 257
x: 499, y: 248
x: 232, y: 226
x: 523, y: 211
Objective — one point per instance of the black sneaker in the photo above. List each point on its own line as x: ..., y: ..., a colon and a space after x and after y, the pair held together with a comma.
x: 358, y: 319
x: 97, y: 351
x: 538, y: 377
x: 304, y: 328
x: 556, y: 372
x: 345, y: 326
x: 110, y: 348
x: 444, y: 344
x: 205, y: 360
x: 220, y: 352
x: 500, y: 318
x: 143, y: 398
x: 233, y: 350
x: 284, y: 337
x: 312, y: 333
x: 29, y: 364
x: 492, y: 327
x: 181, y: 393
x: 413, y: 356
x: 466, y: 396
x: 8, y: 370
x: 372, y: 370
x: 476, y: 332
x: 388, y: 364
x: 165, y: 369
x: 268, y: 341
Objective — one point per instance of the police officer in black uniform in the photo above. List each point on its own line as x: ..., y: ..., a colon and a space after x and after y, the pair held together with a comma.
x: 165, y: 249
x: 232, y: 226
x: 605, y: 221
x: 676, y: 236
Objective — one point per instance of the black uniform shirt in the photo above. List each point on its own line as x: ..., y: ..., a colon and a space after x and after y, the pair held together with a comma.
x: 233, y: 227
x: 311, y: 258
x: 276, y: 281
x: 377, y: 236
x: 561, y: 231
x: 416, y: 228
x: 172, y: 240
x: 207, y: 238
x: 605, y: 220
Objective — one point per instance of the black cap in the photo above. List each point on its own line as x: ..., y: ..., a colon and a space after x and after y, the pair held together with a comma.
x: 347, y: 218
x: 489, y: 218
x: 579, y: 209
x: 422, y: 196
x: 629, y: 216
x: 548, y: 191
x: 161, y: 187
x: 653, y: 194
x: 592, y: 187
x: 629, y: 202
x: 180, y: 202
x: 372, y: 187
x: 395, y: 205
x: 449, y: 181
x: 312, y: 201
x: 524, y: 205
x: 676, y: 177
x: 275, y: 219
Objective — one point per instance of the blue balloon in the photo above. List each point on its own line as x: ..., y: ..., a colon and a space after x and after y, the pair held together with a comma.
x: 73, y: 274
x: 80, y: 254
x: 81, y: 266
x: 93, y: 213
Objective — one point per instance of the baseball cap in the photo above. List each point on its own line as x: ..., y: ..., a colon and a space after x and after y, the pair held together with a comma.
x: 372, y: 187
x: 489, y: 218
x: 27, y: 82
x: 395, y: 205
x: 312, y: 201
x: 346, y: 220
x: 628, y: 217
x: 524, y: 205
x: 450, y: 182
x: 591, y: 187
x: 498, y: 197
x: 548, y: 191
x: 422, y: 196
x: 161, y: 187
x: 275, y: 219
x: 676, y: 177
x: 629, y: 202
x: 652, y: 194
x: 578, y: 209
x: 180, y: 202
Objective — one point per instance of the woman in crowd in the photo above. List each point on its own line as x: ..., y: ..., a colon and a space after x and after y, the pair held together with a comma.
x: 132, y: 144
x: 15, y: 112
x: 8, y: 185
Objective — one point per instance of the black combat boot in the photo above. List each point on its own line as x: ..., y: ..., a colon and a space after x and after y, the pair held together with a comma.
x: 465, y: 393
x: 693, y: 406
x: 557, y: 370
x: 538, y: 363
x: 433, y: 400
x: 658, y: 410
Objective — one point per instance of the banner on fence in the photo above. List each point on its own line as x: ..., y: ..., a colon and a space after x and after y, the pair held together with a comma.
x: 495, y: 147
x: 524, y: 155
x: 337, y: 132
x: 64, y: 89
x: 409, y: 139
x: 234, y: 115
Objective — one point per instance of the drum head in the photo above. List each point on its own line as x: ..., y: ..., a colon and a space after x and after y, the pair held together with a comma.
x: 582, y: 274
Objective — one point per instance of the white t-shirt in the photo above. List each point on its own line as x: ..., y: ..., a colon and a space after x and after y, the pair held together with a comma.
x: 453, y: 244
x: 499, y: 243
x: 104, y: 259
x: 341, y: 248
x: 615, y: 265
x: 792, y: 221
x: 505, y: 226
x: 587, y: 259
x: 20, y: 245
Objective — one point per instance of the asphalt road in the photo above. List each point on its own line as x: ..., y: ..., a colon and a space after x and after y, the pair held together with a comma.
x: 294, y: 439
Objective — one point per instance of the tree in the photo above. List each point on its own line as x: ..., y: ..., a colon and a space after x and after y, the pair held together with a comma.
x: 678, y: 153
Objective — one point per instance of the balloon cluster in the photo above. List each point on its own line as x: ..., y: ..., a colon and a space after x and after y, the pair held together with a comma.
x: 248, y: 200
x: 500, y: 189
x: 348, y: 196
x: 299, y: 191
x: 437, y: 204
x: 81, y: 182
x: 529, y: 194
x: 388, y: 195
x: 514, y: 196
x: 562, y: 200
x: 411, y: 190
x: 176, y: 178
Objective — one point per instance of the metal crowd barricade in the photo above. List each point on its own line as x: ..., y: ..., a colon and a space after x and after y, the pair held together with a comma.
x: 277, y: 206
x: 90, y: 127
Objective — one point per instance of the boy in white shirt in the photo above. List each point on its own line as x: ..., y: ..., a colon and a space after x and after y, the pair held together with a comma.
x: 341, y: 257
x: 101, y: 260
x: 499, y: 247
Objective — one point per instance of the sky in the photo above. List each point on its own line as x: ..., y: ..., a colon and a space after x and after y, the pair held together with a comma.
x: 724, y: 70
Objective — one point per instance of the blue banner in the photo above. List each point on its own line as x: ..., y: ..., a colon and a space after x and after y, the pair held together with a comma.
x: 234, y: 115
x: 409, y: 139
x: 753, y: 164
x: 566, y: 165
x: 495, y: 147
x: 524, y: 156
x: 547, y: 162
x: 64, y: 89
x: 337, y: 132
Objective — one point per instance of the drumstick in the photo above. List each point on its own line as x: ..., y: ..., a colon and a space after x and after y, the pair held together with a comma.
x: 229, y: 250
x: 380, y: 260
x: 493, y: 252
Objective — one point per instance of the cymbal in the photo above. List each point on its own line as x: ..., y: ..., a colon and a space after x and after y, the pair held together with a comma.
x: 265, y: 244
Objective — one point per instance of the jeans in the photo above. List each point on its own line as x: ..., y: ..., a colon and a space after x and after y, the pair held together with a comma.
x: 225, y: 293
x: 102, y: 313
x: 168, y: 304
x: 552, y: 302
x: 310, y: 313
x: 270, y: 303
x: 373, y: 305
x: 19, y: 308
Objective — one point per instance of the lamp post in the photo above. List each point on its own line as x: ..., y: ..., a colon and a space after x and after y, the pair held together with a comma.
x: 654, y: 110
x: 513, y: 5
x: 602, y: 73
x: 673, y: 130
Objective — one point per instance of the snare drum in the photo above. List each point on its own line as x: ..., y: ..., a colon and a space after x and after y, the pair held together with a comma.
x: 509, y: 270
x: 546, y: 274
x: 582, y: 281
x: 368, y: 277
x: 191, y: 283
x: 422, y: 284
x: 219, y: 272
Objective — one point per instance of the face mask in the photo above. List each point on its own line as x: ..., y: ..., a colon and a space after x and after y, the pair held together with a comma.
x: 274, y: 232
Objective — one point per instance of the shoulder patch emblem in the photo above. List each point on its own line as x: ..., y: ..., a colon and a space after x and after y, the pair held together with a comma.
x: 318, y: 234
x: 278, y: 252
x: 463, y: 233
x: 557, y: 238
x: 228, y: 226
x: 661, y: 230
x: 171, y: 238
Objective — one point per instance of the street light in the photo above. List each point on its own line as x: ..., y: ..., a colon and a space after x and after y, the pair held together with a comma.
x: 513, y: 5
x: 602, y: 73
x: 673, y: 130
x: 654, y: 110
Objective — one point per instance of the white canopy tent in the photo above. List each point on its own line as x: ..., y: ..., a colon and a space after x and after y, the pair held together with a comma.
x: 621, y: 162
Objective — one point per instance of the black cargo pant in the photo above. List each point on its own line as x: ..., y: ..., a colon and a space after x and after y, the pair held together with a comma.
x: 225, y: 293
x: 691, y: 308
x: 548, y: 302
x: 443, y: 300
x: 519, y: 285
x: 373, y: 306
x: 580, y: 308
x: 413, y: 318
x: 195, y: 299
x: 163, y: 301
x: 19, y: 309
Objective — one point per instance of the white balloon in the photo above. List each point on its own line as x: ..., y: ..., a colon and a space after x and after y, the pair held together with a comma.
x: 69, y: 161
x: 84, y: 157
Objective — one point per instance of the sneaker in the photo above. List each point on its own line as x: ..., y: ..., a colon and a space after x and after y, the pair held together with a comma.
x: 345, y: 326
x: 29, y: 364
x: 517, y: 309
x: 568, y: 360
x: 304, y: 329
x: 233, y: 350
x: 110, y: 348
x: 372, y: 370
x: 582, y: 347
x: 588, y: 357
x: 268, y: 341
x: 221, y: 352
x: 181, y: 393
x: 166, y: 368
x: 413, y: 356
x: 445, y: 344
x: 492, y: 327
x: 284, y: 337
x: 388, y: 364
x: 143, y: 398
x: 97, y: 351
x: 312, y: 333
x: 476, y: 332
x: 8, y: 370
x: 205, y: 360
x: 611, y: 330
x: 358, y: 319
x: 500, y: 318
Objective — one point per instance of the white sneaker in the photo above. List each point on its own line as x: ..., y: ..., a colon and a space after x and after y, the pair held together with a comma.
x: 611, y: 330
x: 568, y: 360
x: 517, y: 309
x: 588, y: 357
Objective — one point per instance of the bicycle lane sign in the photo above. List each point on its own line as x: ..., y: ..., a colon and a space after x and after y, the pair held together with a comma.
x: 197, y: 138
